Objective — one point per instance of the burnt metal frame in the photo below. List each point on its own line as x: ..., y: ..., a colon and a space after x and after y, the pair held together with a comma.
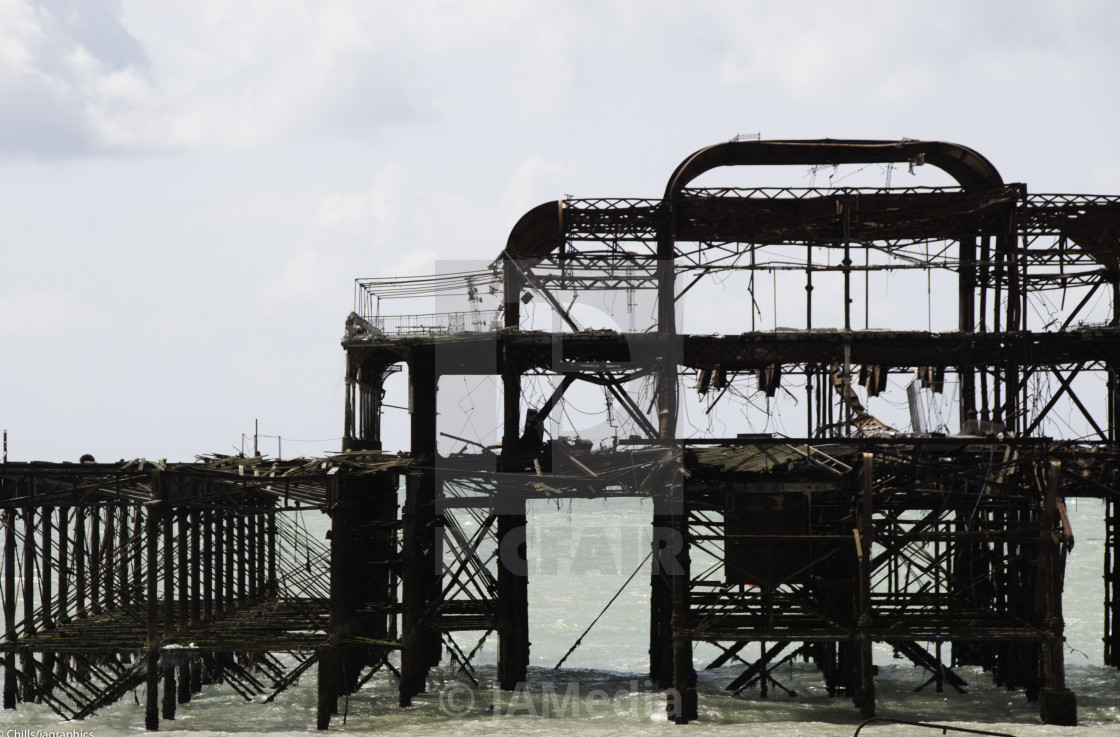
x: 1011, y: 246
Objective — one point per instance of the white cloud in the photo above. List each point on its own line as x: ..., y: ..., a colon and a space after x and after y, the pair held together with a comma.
x: 379, y: 208
x: 45, y: 313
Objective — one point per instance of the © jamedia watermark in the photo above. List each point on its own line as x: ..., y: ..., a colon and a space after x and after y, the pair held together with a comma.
x: 45, y: 733
x: 558, y: 700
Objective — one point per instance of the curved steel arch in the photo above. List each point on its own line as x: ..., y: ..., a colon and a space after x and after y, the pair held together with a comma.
x: 540, y: 231
x: 970, y: 169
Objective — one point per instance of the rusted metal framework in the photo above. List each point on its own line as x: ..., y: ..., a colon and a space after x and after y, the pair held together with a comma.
x: 166, y: 577
x: 848, y: 533
x: 808, y: 524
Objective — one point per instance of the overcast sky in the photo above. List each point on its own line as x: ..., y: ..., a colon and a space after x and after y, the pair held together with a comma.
x: 188, y: 189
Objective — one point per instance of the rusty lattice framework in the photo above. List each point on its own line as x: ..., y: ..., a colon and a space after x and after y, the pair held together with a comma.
x: 816, y: 543
x: 140, y: 574
x: 854, y: 532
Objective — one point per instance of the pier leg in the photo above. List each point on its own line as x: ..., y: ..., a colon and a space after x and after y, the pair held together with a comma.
x: 865, y: 699
x: 196, y: 673
x: 196, y: 568
x: 261, y: 568
x: 230, y: 525
x: 243, y: 548
x: 28, y: 659
x: 251, y: 568
x: 421, y: 560
x: 182, y: 572
x: 96, y: 580
x: 1057, y: 704
x: 184, y: 683
x: 138, y: 530
x: 271, y: 580
x: 10, y: 687
x: 168, y: 525
x: 660, y: 601
x: 151, y: 694
x: 684, y: 706
x: 330, y: 667
x: 63, y: 563
x: 108, y: 572
x: 1111, y: 584
x: 513, y: 593
x: 208, y: 555
x: 46, y: 525
x: 151, y: 659
x: 219, y: 541
x: 124, y: 593
x: 344, y: 499
x: 169, y: 692
x: 415, y: 576
x: 80, y: 555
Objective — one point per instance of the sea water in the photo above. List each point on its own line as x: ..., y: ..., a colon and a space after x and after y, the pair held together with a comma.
x: 580, y: 555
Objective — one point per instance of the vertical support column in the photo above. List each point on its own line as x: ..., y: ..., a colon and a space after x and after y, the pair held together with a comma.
x: 420, y: 579
x: 349, y: 435
x: 1058, y: 705
x: 47, y: 570
x: 683, y: 706
x: 363, y: 545
x: 847, y: 264
x: 242, y: 521
x: 231, y: 533
x: 512, y: 282
x: 63, y: 564
x: 27, y: 660
x: 196, y: 559
x: 138, y: 530
x: 169, y: 624
x: 270, y: 583
x: 661, y: 598
x: 328, y: 685
x: 341, y: 504
x: 183, y: 690
x: 252, y: 568
x: 29, y: 572
x: 10, y: 687
x: 865, y: 537
x: 413, y: 668
x: 153, y: 518
x: 511, y: 409
x: 966, y: 297
x: 182, y: 550
x: 95, y: 559
x: 1111, y: 585
x: 513, y: 590
x: 208, y: 560
x: 108, y: 596
x: 219, y: 539
x: 169, y: 689
x: 80, y: 558
x: 168, y: 524
x: 46, y: 595
x: 261, y: 569
x: 123, y: 586
x: 1009, y: 243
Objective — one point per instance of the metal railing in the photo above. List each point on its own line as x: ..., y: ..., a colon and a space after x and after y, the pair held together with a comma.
x: 437, y: 323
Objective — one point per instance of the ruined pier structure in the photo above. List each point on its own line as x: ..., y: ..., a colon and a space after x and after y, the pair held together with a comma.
x: 855, y: 532
x: 946, y: 543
